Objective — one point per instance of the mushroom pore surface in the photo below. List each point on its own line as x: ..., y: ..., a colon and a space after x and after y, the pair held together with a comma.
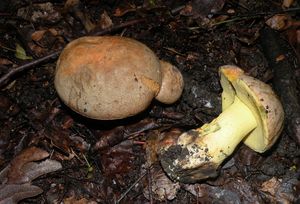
x: 108, y: 77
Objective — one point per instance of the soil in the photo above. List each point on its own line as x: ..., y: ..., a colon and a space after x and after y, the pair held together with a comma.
x: 123, y: 168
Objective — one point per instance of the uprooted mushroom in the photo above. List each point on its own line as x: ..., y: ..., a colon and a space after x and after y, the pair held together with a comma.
x: 113, y: 77
x: 252, y: 113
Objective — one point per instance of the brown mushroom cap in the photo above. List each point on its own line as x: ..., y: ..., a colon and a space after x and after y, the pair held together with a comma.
x: 108, y: 77
x: 172, y: 83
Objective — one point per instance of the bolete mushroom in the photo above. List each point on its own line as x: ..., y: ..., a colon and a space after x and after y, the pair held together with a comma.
x: 113, y: 77
x: 252, y: 113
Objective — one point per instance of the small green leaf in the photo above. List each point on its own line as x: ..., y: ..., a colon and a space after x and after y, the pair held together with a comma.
x: 20, y: 53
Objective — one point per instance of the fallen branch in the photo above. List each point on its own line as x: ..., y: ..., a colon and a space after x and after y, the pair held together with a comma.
x: 6, y: 78
x: 277, y: 53
x: 118, y: 134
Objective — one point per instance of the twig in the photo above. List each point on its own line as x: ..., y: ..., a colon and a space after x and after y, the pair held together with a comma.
x: 267, y: 13
x: 150, y: 185
x: 252, y: 15
x: 129, y: 189
x: 117, y: 27
x: 8, y: 76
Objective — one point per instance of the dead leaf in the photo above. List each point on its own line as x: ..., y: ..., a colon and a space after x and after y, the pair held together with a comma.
x: 118, y: 159
x: 16, y: 178
x: 118, y: 134
x: 73, y: 200
x: 34, y: 170
x: 4, y: 61
x: 280, y: 190
x: 59, y: 138
x: 187, y: 10
x: 13, y: 193
x: 16, y: 174
x: 21, y: 53
x: 44, y: 40
x: 38, y: 12
x: 270, y: 186
x: 279, y: 22
x: 280, y: 58
x: 105, y: 21
x: 156, y: 139
x: 37, y: 35
x: 287, y: 3
x: 202, y: 8
x: 161, y: 187
x: 74, y: 7
x: 293, y: 36
x: 233, y: 190
x: 121, y: 11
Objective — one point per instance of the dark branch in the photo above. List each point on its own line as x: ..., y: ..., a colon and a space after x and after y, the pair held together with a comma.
x: 6, y: 78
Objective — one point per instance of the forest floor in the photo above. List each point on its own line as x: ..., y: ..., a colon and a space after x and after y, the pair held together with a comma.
x: 49, y: 154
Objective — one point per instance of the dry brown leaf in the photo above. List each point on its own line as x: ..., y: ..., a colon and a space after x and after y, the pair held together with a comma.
x: 38, y: 50
x: 13, y: 193
x: 280, y: 58
x: 156, y: 140
x: 45, y: 12
x: 37, y: 35
x: 279, y: 22
x: 105, y: 21
x: 293, y: 36
x: 162, y: 188
x: 281, y: 190
x: 118, y: 159
x: 202, y: 8
x: 16, y: 174
x: 74, y: 200
x: 122, y: 11
x: 71, y: 3
x: 34, y: 170
x: 270, y: 186
x: 22, y: 169
x: 287, y: 3
x: 59, y: 138
x: 4, y: 61
x: 73, y: 6
x: 120, y: 133
x: 233, y: 190
x: 15, y: 178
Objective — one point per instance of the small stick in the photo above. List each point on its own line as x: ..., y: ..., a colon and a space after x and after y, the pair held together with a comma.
x: 129, y: 189
x: 150, y: 185
x: 8, y: 76
x: 117, y: 27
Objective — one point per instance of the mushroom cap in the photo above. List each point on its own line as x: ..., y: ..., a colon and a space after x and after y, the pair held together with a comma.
x: 107, y: 77
x: 172, y: 83
x: 260, y: 99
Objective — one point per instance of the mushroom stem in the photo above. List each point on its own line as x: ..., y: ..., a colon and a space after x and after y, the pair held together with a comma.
x: 224, y: 133
x: 209, y: 145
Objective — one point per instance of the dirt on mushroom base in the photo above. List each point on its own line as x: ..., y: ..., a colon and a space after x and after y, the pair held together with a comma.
x: 198, y: 54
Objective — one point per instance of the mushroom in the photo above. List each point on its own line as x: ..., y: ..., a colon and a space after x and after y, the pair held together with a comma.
x: 251, y: 112
x: 113, y: 77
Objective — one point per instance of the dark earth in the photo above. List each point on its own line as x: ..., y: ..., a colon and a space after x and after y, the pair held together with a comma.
x: 115, y: 161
